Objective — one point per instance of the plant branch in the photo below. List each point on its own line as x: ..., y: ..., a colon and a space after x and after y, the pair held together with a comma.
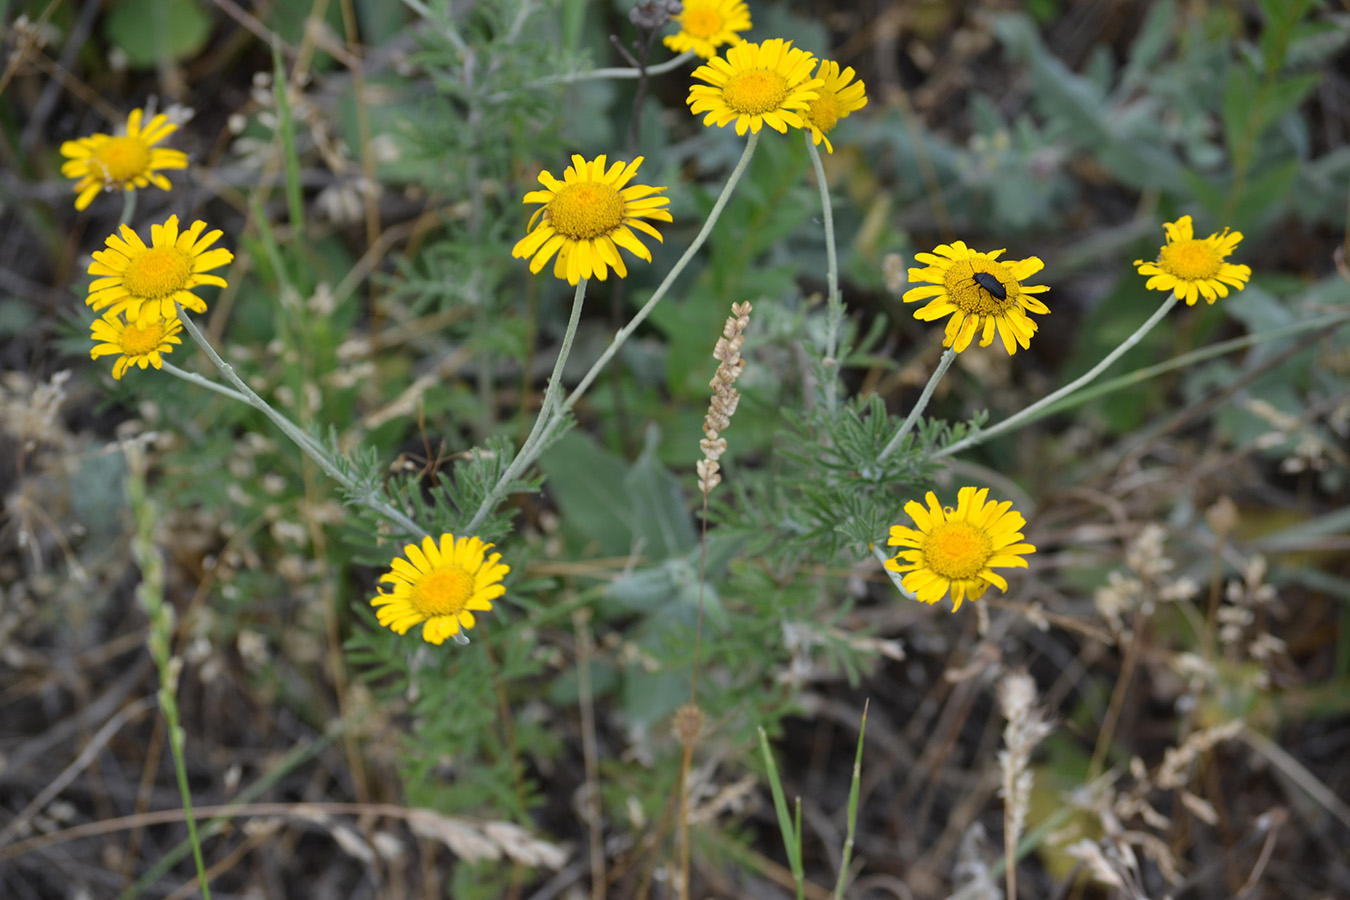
x: 835, y: 303
x: 543, y: 426
x: 298, y: 435
x: 1018, y: 418
x: 943, y: 365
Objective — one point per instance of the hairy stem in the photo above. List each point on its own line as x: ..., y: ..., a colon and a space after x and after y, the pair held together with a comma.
x: 905, y: 427
x: 1017, y: 418
x: 545, y: 427
x: 311, y: 447
x: 835, y: 302
x: 549, y: 414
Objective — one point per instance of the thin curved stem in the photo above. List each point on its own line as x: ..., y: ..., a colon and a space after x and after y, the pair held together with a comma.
x: 835, y: 303
x: 296, y: 433
x: 310, y: 445
x: 128, y: 208
x: 1020, y: 417
x: 542, y: 432
x: 177, y: 745
x: 199, y: 381
x: 623, y: 333
x: 159, y: 640
x: 543, y: 426
x: 553, y: 391
x: 1210, y: 351
x: 896, y: 578
x: 659, y: 69
x: 943, y: 365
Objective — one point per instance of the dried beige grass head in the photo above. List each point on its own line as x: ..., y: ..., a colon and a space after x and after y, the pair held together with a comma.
x: 725, y: 397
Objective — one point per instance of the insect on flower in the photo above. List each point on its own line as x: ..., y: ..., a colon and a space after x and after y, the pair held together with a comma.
x: 980, y: 293
x: 991, y: 284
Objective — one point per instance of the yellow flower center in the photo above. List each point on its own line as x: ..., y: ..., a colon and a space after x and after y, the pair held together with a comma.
x: 1190, y: 260
x: 585, y: 210
x: 120, y: 159
x: 824, y: 110
x: 957, y: 550
x: 755, y: 92
x: 158, y: 272
x: 701, y: 23
x: 138, y: 341
x: 971, y: 297
x: 444, y: 592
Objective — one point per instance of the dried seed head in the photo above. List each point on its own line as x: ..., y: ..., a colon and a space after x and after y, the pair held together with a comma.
x: 1145, y: 554
x: 725, y: 397
x: 1026, y: 727
x: 1222, y: 516
x: 688, y: 724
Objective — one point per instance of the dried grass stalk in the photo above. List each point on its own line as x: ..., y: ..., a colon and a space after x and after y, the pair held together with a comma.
x: 724, y: 395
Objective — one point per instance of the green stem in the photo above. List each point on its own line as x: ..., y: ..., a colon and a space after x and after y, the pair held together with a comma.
x: 847, y: 854
x: 791, y: 831
x: 199, y: 381
x: 294, y: 758
x: 572, y: 77
x: 622, y: 335
x: 1130, y: 379
x: 835, y: 303
x: 541, y: 434
x: 128, y: 208
x: 159, y: 637
x: 176, y: 741
x: 302, y: 440
x: 943, y: 365
x: 1018, y: 418
x: 543, y: 424
x: 896, y: 578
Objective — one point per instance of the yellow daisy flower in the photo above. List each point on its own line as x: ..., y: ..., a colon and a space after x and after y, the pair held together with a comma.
x: 754, y: 85
x: 587, y: 216
x: 143, y: 282
x: 979, y: 292
x: 1194, y: 267
x: 131, y: 160
x: 440, y: 586
x: 835, y: 99
x: 706, y: 25
x: 139, y: 343
x: 958, y: 549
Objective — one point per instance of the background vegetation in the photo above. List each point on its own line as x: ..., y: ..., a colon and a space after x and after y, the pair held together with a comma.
x: 1184, y: 619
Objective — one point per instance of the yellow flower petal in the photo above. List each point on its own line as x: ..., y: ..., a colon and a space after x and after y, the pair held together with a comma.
x: 437, y: 586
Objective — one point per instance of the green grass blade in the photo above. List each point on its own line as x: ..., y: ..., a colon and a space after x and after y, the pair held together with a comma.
x: 792, y: 835
x: 852, y: 810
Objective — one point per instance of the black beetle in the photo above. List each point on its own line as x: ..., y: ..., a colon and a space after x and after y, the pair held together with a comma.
x: 992, y: 285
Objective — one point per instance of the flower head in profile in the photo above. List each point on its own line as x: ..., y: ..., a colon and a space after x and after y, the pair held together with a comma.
x: 131, y: 160
x: 1195, y: 267
x: 588, y: 216
x: 980, y: 293
x: 835, y: 99
x: 137, y: 343
x: 440, y: 585
x: 144, y: 282
x: 755, y: 85
x: 958, y: 549
x: 706, y: 25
